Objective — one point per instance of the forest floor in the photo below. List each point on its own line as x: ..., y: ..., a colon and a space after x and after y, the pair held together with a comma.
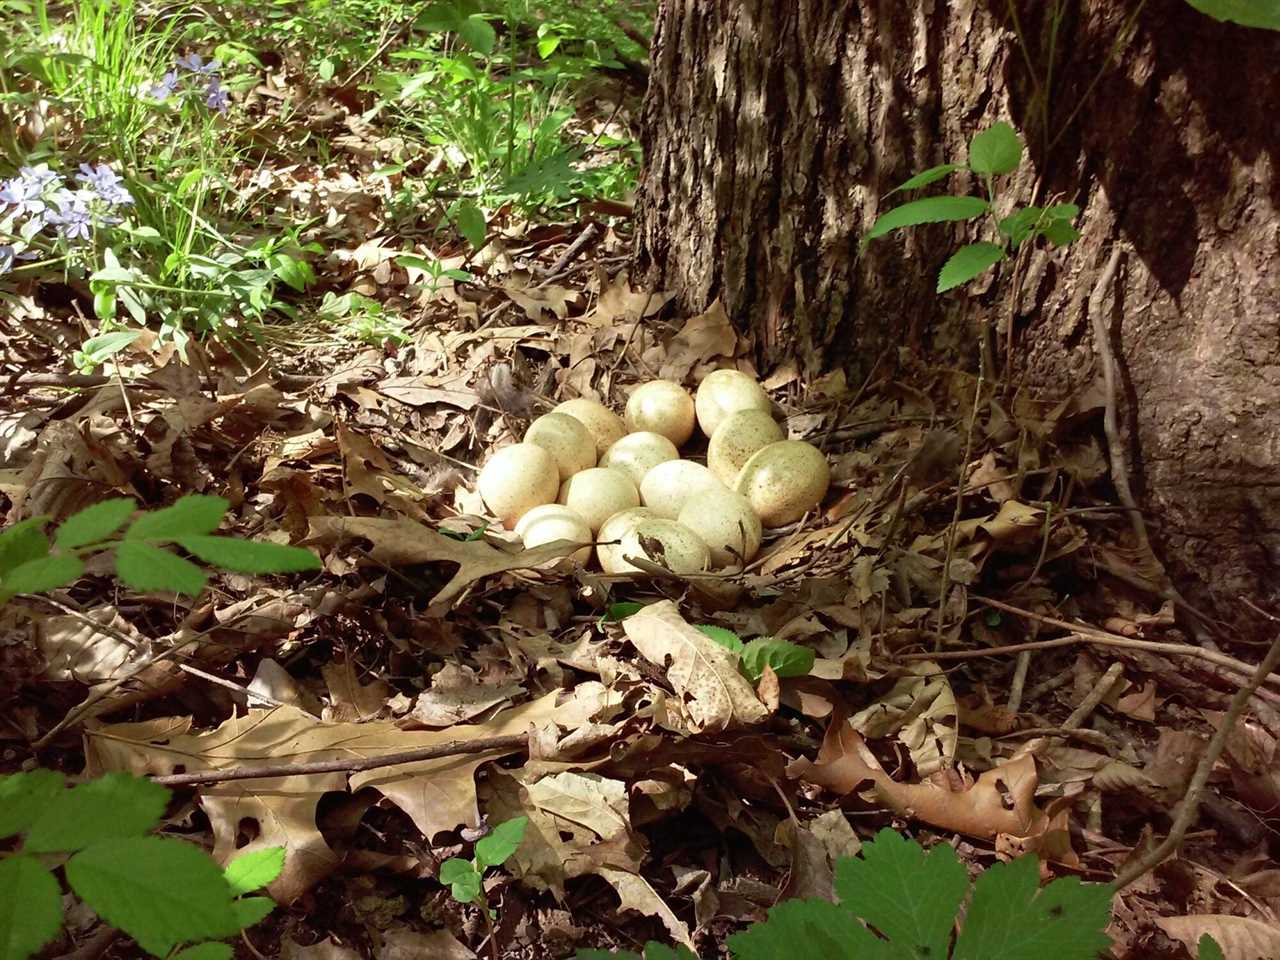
x: 994, y: 667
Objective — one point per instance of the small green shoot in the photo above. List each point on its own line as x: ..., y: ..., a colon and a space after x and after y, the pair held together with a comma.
x: 465, y: 878
x: 783, y: 658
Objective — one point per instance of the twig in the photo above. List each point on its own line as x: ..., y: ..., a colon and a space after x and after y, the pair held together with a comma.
x: 945, y: 585
x: 1189, y: 808
x: 1014, y: 703
x: 1095, y: 696
x: 516, y: 741
x: 246, y: 694
x: 579, y: 244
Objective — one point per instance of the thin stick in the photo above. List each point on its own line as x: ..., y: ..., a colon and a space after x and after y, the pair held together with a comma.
x: 1189, y: 809
x: 1014, y: 703
x: 579, y: 244
x: 945, y: 585
x: 510, y: 743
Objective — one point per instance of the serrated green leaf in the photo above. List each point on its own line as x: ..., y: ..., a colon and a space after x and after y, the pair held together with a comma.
x: 1060, y: 233
x: 785, y: 659
x: 94, y: 523
x: 926, y: 177
x: 471, y: 223
x: 146, y: 568
x: 462, y: 877
x: 22, y: 543
x: 249, y: 556
x: 478, y: 34
x: 726, y: 638
x: 1208, y: 949
x: 967, y: 262
x: 1062, y: 211
x: 617, y: 612
x: 927, y: 210
x: 30, y: 907
x: 114, y: 805
x: 1248, y: 13
x: 193, y: 515
x: 206, y: 951
x: 254, y: 870
x: 159, y: 891
x: 24, y: 797
x: 252, y: 910
x: 493, y: 850
x: 1011, y: 918
x: 810, y: 928
x: 1017, y: 226
x: 995, y: 150
x: 43, y: 575
x: 909, y: 895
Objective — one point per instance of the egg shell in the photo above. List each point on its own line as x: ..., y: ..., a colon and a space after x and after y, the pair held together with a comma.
x: 638, y: 453
x: 605, y: 426
x: 661, y: 406
x: 726, y: 523
x: 551, y: 522
x: 598, y: 493
x: 614, y: 529
x: 740, y: 435
x: 723, y: 392
x: 682, y: 550
x: 566, y: 439
x: 784, y: 481
x: 668, y: 485
x: 516, y: 479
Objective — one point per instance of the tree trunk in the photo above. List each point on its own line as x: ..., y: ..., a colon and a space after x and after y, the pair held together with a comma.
x: 773, y: 127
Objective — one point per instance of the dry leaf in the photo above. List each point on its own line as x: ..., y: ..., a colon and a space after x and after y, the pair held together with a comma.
x: 456, y: 695
x: 703, y: 673
x: 636, y: 894
x: 1240, y: 938
x: 401, y: 943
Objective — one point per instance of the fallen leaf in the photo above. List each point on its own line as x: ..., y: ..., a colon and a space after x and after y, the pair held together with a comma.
x: 456, y: 696
x: 1241, y: 938
x: 636, y: 894
x: 401, y: 943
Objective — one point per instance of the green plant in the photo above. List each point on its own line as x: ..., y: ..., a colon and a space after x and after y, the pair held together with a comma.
x: 994, y: 152
x: 783, y: 658
x: 466, y: 877
x: 1248, y: 13
x: 161, y: 891
x: 30, y: 563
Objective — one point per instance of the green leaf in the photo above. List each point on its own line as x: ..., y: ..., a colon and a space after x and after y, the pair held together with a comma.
x: 463, y: 879
x: 493, y: 850
x: 1062, y: 211
x: 1248, y: 13
x: 146, y: 568
x: 471, y: 223
x: 206, y: 951
x: 927, y: 210
x: 94, y: 523
x: 811, y: 928
x: 22, y: 543
x: 325, y: 69
x: 967, y: 262
x: 1018, y: 225
x: 43, y: 575
x: 909, y: 895
x: 926, y: 177
x: 1208, y: 949
x: 995, y: 150
x: 102, y: 348
x: 652, y: 951
x: 193, y: 515
x: 23, y: 797
x: 785, y: 659
x: 249, y: 556
x: 617, y: 612
x: 726, y: 638
x: 253, y: 871
x: 252, y: 910
x: 1010, y: 918
x: 114, y: 805
x: 30, y: 907
x: 477, y: 33
x: 1060, y: 233
x: 159, y: 891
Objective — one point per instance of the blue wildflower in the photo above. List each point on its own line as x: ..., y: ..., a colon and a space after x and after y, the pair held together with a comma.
x: 6, y: 258
x: 74, y: 221
x: 195, y: 63
x: 40, y: 176
x: 166, y: 88
x: 25, y: 193
x: 105, y: 183
x: 215, y: 97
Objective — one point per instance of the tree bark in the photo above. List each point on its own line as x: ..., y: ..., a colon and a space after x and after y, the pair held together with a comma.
x: 773, y: 127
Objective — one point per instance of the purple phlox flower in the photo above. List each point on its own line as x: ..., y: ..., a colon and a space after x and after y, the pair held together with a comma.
x: 195, y: 63
x: 66, y: 199
x: 40, y: 176
x: 74, y: 222
x: 26, y: 194
x: 6, y: 258
x: 166, y: 88
x: 105, y: 183
x: 215, y: 97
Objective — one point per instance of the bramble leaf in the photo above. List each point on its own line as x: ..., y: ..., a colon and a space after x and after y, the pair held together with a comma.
x: 112, y: 806
x: 1011, y: 918
x: 967, y: 262
x: 926, y: 177
x: 1018, y: 226
x: 471, y: 224
x: 995, y: 150
x: 30, y: 907
x: 206, y: 951
x: 22, y: 543
x: 94, y: 523
x: 43, y: 575
x: 493, y: 850
x: 145, y: 567
x: 1208, y: 949
x: 1060, y: 232
x: 726, y: 638
x: 927, y: 210
x: 909, y: 895
x: 811, y: 928
x: 1247, y: 13
x: 24, y: 797
x: 249, y: 556
x: 253, y: 871
x: 785, y: 659
x: 252, y: 910
x: 191, y: 516
x: 159, y: 891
